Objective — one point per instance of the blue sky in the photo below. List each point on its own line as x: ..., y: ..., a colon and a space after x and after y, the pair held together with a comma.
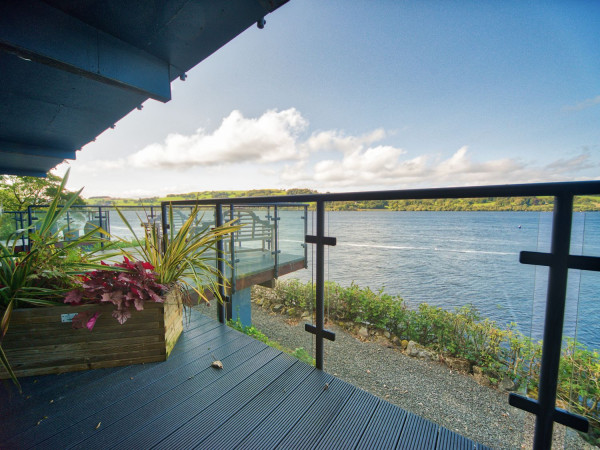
x: 357, y: 95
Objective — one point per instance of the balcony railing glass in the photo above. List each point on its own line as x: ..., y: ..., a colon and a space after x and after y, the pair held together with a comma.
x: 520, y: 278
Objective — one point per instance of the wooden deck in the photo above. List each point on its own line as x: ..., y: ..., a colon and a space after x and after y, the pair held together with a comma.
x: 261, y: 399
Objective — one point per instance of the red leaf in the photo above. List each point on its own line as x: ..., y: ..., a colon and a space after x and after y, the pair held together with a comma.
x: 154, y: 296
x: 139, y: 304
x: 122, y: 315
x: 74, y: 296
x: 83, y: 319
x: 90, y: 323
x: 147, y: 266
x: 107, y: 297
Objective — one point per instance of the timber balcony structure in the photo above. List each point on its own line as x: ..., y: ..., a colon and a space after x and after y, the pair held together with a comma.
x: 263, y: 398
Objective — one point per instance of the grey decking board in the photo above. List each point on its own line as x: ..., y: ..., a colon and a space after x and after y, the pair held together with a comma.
x: 171, y: 421
x: 238, y: 426
x: 348, y: 427
x: 273, y: 429
x: 169, y: 384
x: 417, y: 434
x: 210, y: 419
x: 165, y: 404
x: 315, y: 422
x: 450, y: 440
x: 185, y: 403
x: 99, y: 394
x: 384, y: 427
x: 100, y: 391
x: 55, y: 386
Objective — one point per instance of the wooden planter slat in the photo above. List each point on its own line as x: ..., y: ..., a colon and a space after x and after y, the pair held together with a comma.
x: 38, y: 342
x: 24, y: 333
x: 45, y: 370
x: 23, y: 341
x: 47, y: 315
x: 98, y: 347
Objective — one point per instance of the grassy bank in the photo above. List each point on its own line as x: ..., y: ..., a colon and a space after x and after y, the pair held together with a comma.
x: 252, y: 331
x: 499, y: 353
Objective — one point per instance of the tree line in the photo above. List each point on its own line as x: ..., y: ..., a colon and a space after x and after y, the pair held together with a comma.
x: 17, y: 193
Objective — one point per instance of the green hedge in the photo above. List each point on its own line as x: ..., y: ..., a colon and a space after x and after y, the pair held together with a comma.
x: 501, y: 352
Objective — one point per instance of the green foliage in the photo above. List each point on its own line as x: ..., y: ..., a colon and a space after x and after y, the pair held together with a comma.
x: 7, y: 226
x: 107, y: 245
x: 17, y: 193
x: 579, y: 383
x: 255, y: 333
x: 42, y: 275
x: 581, y: 203
x: 186, y: 260
x: 195, y: 196
x: 462, y: 333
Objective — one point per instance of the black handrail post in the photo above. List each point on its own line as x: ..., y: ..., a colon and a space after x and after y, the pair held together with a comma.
x: 107, y: 220
x: 320, y: 241
x: 29, y: 223
x: 305, y: 233
x: 100, y: 224
x: 232, y: 252
x: 22, y: 226
x: 220, y: 265
x: 165, y: 225
x: 320, y: 285
x: 554, y: 320
x: 276, y: 242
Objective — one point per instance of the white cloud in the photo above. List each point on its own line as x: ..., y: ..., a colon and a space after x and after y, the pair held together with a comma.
x: 587, y: 103
x: 248, y: 152
x: 383, y: 167
x: 270, y: 138
x: 570, y: 165
x: 335, y: 140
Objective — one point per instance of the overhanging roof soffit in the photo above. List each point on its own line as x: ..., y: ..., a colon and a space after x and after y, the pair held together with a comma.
x: 49, y: 36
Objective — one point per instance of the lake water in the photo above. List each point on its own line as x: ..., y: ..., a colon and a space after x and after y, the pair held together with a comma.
x: 451, y: 259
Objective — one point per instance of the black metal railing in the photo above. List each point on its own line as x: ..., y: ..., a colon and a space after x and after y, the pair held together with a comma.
x: 23, y: 221
x: 272, y: 215
x: 558, y: 260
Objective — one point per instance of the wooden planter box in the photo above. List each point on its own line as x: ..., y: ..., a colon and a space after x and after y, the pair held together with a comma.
x: 38, y: 341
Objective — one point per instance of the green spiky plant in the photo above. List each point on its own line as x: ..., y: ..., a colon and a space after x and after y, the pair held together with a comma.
x: 186, y: 259
x: 42, y: 275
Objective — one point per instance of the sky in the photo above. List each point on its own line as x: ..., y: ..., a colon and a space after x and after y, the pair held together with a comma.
x: 349, y: 95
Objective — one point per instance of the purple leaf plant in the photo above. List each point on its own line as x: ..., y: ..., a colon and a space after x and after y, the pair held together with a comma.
x: 132, y: 284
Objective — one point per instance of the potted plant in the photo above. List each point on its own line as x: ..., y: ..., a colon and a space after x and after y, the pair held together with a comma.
x: 80, y: 294
x: 42, y: 275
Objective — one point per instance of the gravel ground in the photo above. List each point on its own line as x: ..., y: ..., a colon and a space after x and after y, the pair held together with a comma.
x: 428, y: 389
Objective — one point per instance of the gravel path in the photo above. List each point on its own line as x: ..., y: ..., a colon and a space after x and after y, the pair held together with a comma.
x: 428, y: 389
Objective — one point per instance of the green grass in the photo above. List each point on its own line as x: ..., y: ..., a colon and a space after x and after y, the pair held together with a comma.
x: 252, y: 331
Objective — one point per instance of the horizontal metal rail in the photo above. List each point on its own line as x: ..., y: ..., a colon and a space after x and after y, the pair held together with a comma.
x: 508, y: 190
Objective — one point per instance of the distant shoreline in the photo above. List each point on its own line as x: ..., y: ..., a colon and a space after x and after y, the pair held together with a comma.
x: 583, y: 203
x: 341, y: 206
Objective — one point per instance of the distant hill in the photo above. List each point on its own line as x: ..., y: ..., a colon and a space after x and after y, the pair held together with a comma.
x: 150, y: 201
x: 582, y: 203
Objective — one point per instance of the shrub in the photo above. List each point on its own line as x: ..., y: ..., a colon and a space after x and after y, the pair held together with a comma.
x: 462, y: 333
x: 129, y: 284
